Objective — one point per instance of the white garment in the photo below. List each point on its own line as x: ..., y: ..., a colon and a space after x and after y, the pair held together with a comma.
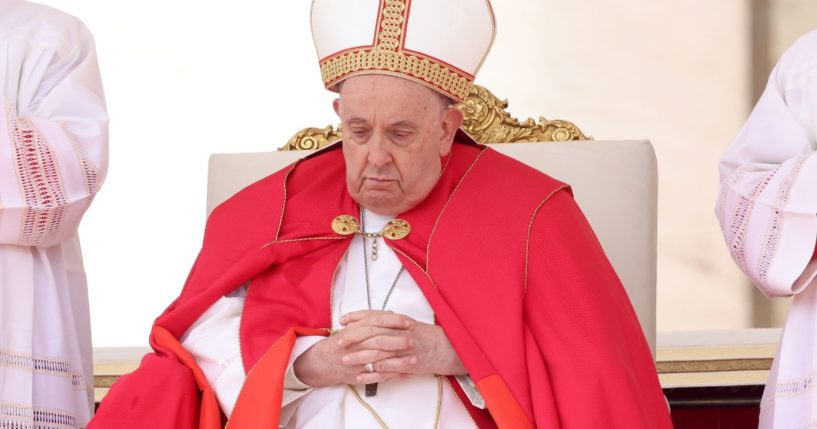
x: 402, y: 403
x: 768, y: 212
x: 53, y: 159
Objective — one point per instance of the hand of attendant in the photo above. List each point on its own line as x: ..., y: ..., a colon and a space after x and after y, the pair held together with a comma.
x: 394, y: 343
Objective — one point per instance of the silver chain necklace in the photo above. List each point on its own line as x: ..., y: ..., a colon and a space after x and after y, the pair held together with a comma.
x: 371, y: 389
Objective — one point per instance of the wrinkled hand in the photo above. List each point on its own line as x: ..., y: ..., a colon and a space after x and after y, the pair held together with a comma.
x: 394, y: 343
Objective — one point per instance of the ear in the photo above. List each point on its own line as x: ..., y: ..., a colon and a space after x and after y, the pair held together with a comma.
x: 336, y: 105
x: 452, y: 120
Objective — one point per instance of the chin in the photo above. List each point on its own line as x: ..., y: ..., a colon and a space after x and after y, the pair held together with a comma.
x: 382, y: 204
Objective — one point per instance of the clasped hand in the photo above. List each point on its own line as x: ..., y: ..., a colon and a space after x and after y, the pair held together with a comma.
x: 393, y: 343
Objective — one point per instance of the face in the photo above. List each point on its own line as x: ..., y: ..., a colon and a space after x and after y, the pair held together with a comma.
x: 395, y: 133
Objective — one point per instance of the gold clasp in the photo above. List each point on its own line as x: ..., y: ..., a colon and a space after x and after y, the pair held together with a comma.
x: 345, y: 225
x: 396, y: 229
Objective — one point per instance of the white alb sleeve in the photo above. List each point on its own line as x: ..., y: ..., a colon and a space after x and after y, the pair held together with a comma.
x: 214, y: 342
x: 767, y: 205
x: 471, y: 391
x: 53, y: 127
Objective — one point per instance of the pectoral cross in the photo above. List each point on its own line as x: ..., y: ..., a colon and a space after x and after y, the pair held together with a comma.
x: 371, y: 390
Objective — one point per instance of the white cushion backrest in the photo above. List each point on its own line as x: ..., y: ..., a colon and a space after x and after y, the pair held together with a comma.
x: 614, y: 183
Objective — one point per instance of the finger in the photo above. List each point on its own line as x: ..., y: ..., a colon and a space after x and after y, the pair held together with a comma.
x: 358, y: 315
x: 366, y: 356
x: 400, y: 364
x: 355, y: 334
x: 375, y: 377
x: 387, y: 342
x: 380, y: 319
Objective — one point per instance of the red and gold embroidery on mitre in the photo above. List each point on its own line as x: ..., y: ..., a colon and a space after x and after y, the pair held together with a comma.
x: 408, y: 39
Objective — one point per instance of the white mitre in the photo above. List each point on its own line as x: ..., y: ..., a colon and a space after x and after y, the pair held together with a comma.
x: 438, y: 43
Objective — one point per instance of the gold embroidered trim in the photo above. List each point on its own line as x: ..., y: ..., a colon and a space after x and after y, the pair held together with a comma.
x: 416, y: 264
x: 462, y: 404
x: 530, y: 228
x: 296, y: 240
x: 438, y: 74
x: 392, y: 19
x: 249, y: 373
x: 379, y: 420
x: 332, y: 284
x: 448, y: 201
x: 387, y: 56
x: 241, y: 325
x: 284, y: 203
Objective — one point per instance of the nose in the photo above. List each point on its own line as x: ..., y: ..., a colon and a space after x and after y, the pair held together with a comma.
x: 379, y: 154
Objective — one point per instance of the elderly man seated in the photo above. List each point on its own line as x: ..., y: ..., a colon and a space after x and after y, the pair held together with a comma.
x: 404, y: 278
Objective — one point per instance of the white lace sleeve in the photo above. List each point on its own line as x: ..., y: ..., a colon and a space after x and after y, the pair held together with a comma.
x: 53, y: 127
x: 767, y: 206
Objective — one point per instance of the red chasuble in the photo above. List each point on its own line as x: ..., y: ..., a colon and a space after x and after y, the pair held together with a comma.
x: 514, y: 273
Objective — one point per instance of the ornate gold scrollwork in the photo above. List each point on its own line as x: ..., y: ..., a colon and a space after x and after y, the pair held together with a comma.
x: 486, y: 120
x: 313, y: 138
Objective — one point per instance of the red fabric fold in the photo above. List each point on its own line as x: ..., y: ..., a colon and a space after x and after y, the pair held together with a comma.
x: 514, y: 273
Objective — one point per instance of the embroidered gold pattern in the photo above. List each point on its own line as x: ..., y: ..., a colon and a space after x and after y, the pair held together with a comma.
x: 454, y: 83
x: 387, y: 56
x: 391, y: 25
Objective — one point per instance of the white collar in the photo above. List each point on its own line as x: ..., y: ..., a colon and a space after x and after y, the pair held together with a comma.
x: 374, y: 222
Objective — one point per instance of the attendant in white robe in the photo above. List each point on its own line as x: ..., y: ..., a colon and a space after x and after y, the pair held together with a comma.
x: 53, y: 160
x: 768, y: 213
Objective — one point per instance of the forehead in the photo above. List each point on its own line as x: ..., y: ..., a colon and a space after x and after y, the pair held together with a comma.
x: 379, y: 96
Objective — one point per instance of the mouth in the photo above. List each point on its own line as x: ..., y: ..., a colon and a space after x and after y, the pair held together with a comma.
x: 378, y: 182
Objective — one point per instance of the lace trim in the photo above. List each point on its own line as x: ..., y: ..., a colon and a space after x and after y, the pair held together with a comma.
x: 39, y: 180
x: 775, y: 228
x: 796, y: 386
x: 720, y: 206
x: 89, y: 171
x: 736, y: 231
x: 14, y: 416
x: 42, y: 365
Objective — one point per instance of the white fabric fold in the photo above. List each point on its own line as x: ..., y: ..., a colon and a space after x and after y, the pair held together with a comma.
x: 53, y: 159
x: 767, y: 209
x: 403, y: 403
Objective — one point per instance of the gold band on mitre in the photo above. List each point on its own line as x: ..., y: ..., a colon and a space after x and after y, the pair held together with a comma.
x: 388, y: 55
x: 423, y: 70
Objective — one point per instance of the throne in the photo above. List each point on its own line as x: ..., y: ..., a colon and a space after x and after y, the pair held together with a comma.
x: 614, y: 182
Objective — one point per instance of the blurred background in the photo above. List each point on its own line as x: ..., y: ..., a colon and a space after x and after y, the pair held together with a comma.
x: 186, y: 78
